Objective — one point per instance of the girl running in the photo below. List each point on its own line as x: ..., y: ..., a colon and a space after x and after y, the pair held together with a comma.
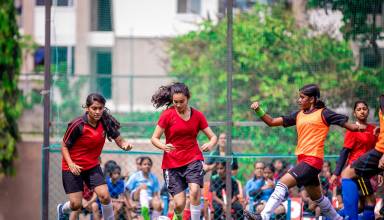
x: 312, y: 124
x: 355, y: 145
x: 81, y: 147
x: 364, y: 167
x: 183, y: 159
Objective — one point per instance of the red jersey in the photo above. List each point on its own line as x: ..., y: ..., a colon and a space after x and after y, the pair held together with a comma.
x: 359, y: 142
x: 182, y: 135
x: 85, y: 142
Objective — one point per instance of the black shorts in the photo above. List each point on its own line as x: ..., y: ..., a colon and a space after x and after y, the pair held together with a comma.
x: 368, y: 164
x: 364, y: 185
x: 177, y: 179
x: 305, y: 175
x: 92, y: 177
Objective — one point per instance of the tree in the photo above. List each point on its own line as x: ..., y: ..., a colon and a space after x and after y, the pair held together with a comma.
x: 272, y: 60
x: 10, y: 102
x: 360, y: 19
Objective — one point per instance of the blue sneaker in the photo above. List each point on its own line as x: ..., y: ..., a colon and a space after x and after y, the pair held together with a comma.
x: 60, y: 213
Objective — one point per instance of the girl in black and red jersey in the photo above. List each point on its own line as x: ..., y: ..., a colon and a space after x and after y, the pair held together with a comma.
x: 312, y: 124
x: 81, y: 147
x: 366, y: 166
x: 183, y: 159
x: 355, y: 145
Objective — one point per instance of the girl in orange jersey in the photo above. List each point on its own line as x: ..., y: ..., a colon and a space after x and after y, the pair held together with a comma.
x: 366, y: 166
x: 312, y: 124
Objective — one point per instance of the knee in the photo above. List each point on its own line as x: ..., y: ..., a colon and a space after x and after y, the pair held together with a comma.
x: 105, y: 198
x: 179, y: 207
x: 75, y: 206
x: 156, y: 204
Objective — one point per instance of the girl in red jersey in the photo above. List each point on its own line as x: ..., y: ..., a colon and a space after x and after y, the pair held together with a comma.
x: 312, y: 123
x: 81, y: 147
x: 355, y: 145
x: 183, y: 160
x: 369, y: 164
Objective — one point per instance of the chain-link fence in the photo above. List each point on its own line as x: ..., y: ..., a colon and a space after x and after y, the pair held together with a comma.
x: 251, y: 189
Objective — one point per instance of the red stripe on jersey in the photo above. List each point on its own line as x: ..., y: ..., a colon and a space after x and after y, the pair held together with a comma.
x: 71, y: 128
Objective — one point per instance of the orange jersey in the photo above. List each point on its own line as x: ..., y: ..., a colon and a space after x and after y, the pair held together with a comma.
x: 311, y: 134
x: 380, y: 142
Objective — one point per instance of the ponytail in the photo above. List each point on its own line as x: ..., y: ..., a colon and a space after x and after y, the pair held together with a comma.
x: 319, y: 104
x: 111, y: 124
x: 162, y: 97
x: 164, y: 94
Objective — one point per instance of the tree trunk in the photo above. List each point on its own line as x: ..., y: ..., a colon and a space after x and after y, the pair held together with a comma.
x: 299, y: 12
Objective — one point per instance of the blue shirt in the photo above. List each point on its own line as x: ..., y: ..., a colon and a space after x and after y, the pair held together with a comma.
x: 136, y: 179
x: 253, y: 185
x: 115, y: 189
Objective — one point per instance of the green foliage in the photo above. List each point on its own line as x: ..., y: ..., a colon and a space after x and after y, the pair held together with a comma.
x: 10, y: 105
x: 356, y: 17
x: 272, y: 60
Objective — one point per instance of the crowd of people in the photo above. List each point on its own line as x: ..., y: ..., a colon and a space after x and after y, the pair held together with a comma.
x: 184, y: 167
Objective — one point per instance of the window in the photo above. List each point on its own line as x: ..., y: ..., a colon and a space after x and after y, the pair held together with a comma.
x: 189, y: 6
x: 369, y: 58
x: 101, y: 15
x: 101, y: 67
x: 62, y: 59
x: 56, y: 2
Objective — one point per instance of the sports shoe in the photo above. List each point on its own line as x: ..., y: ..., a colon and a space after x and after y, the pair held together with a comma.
x: 60, y: 213
x: 252, y: 216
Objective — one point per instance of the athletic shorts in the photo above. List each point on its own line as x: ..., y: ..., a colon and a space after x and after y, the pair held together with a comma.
x: 177, y: 179
x: 364, y: 185
x: 368, y: 164
x: 92, y: 177
x: 305, y: 175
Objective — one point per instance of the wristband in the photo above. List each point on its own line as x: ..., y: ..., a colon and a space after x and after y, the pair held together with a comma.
x: 260, y: 112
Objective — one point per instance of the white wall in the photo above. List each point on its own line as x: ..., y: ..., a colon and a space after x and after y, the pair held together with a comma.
x: 63, y: 25
x: 157, y: 18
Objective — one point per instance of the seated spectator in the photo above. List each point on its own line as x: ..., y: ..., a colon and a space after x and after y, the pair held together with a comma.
x: 212, y: 162
x: 108, y: 166
x: 217, y: 186
x: 253, y: 186
x: 310, y: 208
x: 116, y: 190
x: 145, y: 190
x: 267, y: 190
x: 280, y: 168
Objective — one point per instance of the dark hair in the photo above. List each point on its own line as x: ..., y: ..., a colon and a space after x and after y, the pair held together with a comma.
x: 139, y: 159
x: 359, y: 102
x: 110, y: 123
x: 108, y: 167
x: 271, y: 167
x: 145, y: 158
x: 164, y: 94
x: 312, y: 90
x: 114, y: 169
x: 223, y: 163
x: 381, y: 101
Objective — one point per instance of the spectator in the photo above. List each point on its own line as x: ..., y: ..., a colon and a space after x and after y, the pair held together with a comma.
x: 116, y: 190
x: 108, y: 167
x: 220, y: 151
x: 267, y: 190
x: 280, y: 168
x: 253, y: 186
x: 144, y: 189
x: 217, y: 187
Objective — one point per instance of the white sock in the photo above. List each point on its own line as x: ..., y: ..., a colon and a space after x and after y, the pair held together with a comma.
x: 278, y: 196
x: 155, y: 214
x: 67, y: 208
x: 144, y: 201
x: 327, y: 208
x: 195, y: 212
x: 107, y: 211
